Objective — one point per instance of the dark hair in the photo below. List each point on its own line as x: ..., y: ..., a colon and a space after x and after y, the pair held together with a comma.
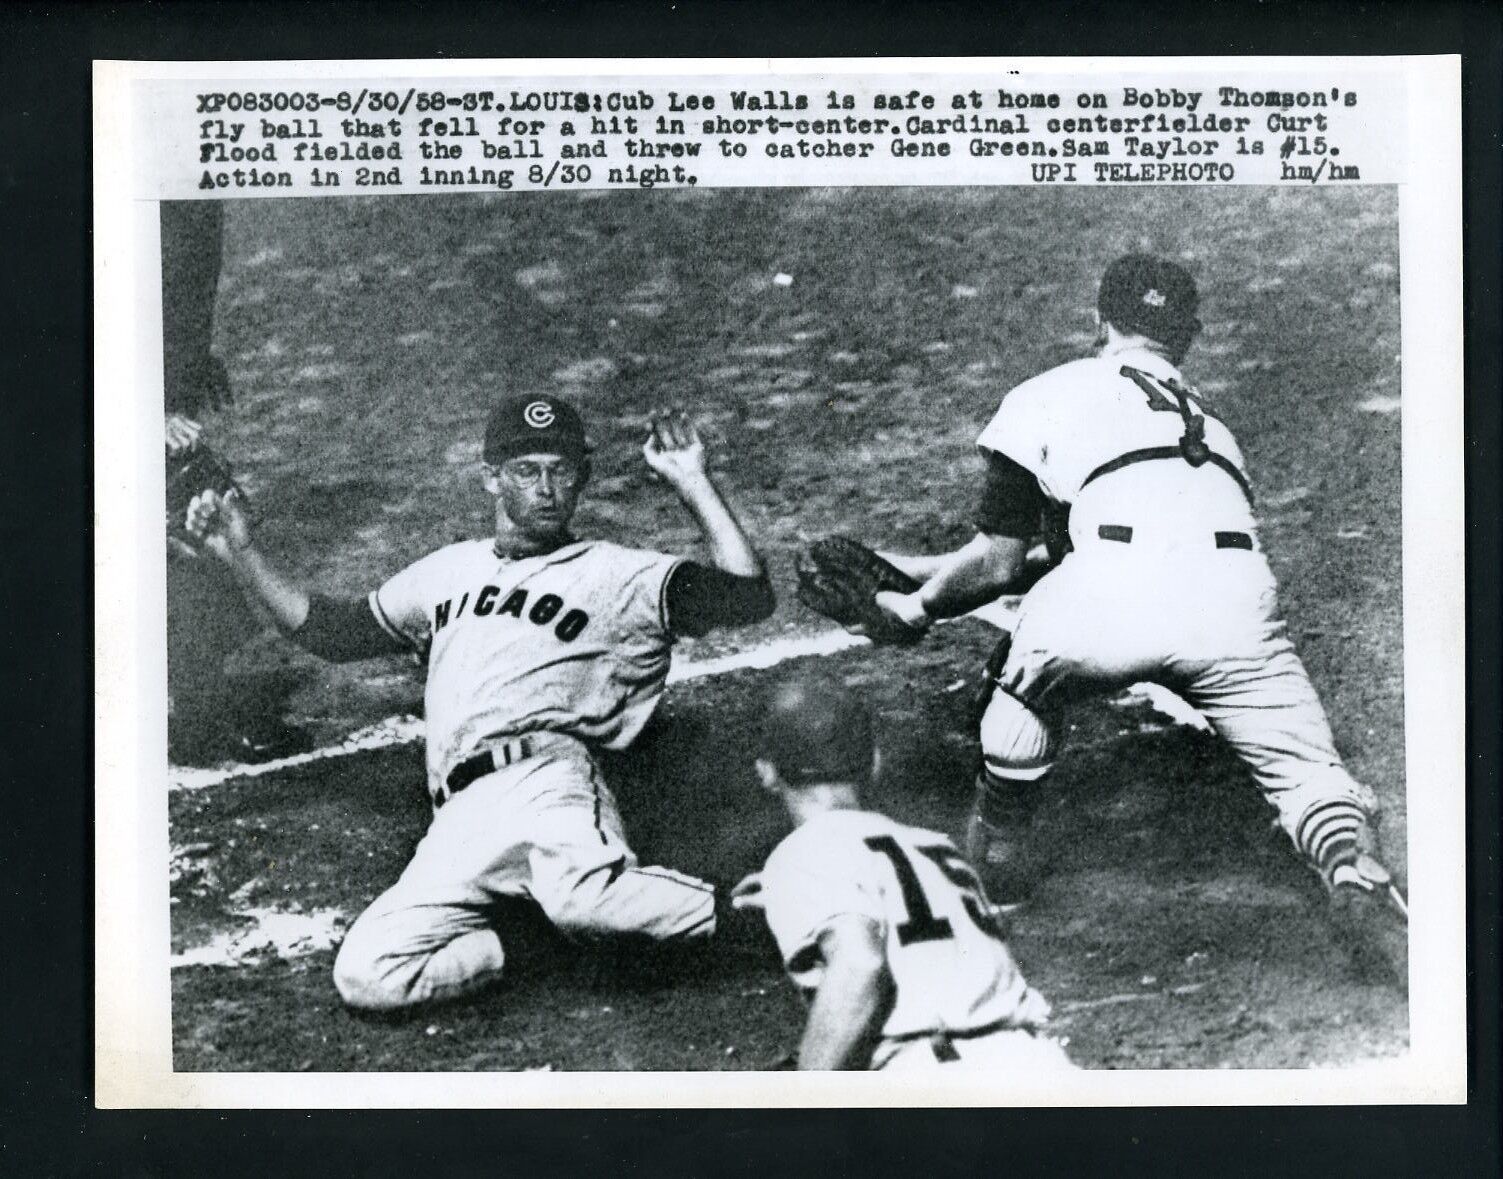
x: 815, y: 729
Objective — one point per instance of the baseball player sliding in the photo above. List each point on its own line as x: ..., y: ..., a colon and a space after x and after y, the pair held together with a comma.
x: 1164, y: 581
x: 884, y: 926
x: 540, y: 648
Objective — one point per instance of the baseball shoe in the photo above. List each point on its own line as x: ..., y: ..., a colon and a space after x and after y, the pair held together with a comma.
x: 1006, y: 860
x: 1372, y: 914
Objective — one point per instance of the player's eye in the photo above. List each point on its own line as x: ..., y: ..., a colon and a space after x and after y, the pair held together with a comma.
x: 527, y: 474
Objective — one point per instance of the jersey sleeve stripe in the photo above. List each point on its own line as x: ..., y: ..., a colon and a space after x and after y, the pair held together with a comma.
x: 385, y: 623
x: 663, y: 593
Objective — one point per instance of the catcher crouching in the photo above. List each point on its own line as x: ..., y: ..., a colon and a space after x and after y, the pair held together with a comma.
x: 1163, y: 579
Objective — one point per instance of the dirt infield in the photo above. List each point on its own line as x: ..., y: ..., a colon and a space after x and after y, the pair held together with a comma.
x: 365, y: 337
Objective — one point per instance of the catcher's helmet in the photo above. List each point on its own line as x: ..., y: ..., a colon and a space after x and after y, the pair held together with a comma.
x: 1152, y: 297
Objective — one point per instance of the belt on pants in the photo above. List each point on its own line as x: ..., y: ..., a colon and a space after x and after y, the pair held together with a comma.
x: 487, y: 761
x: 1122, y: 534
x: 942, y: 1040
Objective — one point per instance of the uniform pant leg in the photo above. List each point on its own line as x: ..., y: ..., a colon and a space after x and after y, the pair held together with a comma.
x: 546, y: 829
x: 1265, y: 707
x: 588, y: 881
x: 429, y: 936
x: 1090, y: 625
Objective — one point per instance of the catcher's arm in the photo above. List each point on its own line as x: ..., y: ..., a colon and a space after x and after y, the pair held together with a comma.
x: 919, y: 566
x: 1007, y: 517
x: 970, y: 577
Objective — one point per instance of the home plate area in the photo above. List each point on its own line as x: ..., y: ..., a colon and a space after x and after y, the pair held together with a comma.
x: 840, y: 349
x: 1175, y: 928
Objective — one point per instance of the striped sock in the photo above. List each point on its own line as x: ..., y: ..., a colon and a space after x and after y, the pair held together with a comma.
x: 1328, y: 834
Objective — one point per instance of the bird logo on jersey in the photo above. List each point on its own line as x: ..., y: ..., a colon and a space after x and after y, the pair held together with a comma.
x: 538, y: 415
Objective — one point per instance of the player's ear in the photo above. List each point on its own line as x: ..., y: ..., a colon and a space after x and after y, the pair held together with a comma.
x: 876, y: 775
x: 767, y: 775
x: 491, y: 477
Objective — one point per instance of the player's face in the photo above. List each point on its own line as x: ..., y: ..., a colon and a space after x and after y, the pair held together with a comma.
x: 537, y: 493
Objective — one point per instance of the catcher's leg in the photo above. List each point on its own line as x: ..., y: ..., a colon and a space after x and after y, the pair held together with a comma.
x: 588, y: 881
x: 1269, y: 712
x: 1017, y: 751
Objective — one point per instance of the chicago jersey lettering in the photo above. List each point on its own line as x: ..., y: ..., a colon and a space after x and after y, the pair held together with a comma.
x: 574, y: 641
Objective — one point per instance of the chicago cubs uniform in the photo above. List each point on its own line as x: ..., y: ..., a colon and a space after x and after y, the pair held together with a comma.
x: 541, y: 648
x: 958, y: 997
x: 573, y: 641
x: 1165, y: 580
x: 531, y: 663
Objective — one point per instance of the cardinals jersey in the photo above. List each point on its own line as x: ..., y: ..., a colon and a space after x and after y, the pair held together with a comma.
x: 949, y: 964
x: 574, y: 641
x: 1103, y: 437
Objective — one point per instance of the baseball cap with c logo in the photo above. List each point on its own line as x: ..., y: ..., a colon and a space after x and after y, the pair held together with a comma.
x: 533, y: 423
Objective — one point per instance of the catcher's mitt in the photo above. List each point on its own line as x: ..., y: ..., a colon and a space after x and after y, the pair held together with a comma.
x: 189, y: 473
x: 840, y: 578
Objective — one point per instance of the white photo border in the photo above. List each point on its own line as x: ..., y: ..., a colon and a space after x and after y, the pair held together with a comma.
x: 133, y: 1053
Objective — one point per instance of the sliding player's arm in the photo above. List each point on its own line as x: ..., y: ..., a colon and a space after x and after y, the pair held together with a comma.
x: 734, y: 589
x: 332, y: 628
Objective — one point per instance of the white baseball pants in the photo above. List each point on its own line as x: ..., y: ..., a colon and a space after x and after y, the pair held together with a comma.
x: 545, y: 828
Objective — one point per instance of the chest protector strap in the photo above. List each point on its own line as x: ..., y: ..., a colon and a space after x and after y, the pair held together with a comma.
x: 1192, y: 446
x: 1154, y: 453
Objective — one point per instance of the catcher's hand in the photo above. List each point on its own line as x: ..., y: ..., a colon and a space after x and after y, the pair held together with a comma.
x: 190, y: 473
x: 841, y: 578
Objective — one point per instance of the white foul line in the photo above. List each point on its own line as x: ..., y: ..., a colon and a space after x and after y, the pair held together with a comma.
x: 404, y: 730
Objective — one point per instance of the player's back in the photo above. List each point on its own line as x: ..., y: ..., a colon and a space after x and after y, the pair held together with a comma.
x: 944, y: 944
x: 1103, y: 435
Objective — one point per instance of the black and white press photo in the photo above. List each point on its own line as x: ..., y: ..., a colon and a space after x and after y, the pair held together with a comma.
x: 959, y: 630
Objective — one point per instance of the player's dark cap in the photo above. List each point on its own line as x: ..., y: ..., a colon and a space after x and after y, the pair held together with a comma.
x: 1150, y: 296
x: 534, y: 423
x: 815, y: 729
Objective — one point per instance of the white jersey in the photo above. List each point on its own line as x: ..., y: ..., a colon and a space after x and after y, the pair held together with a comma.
x: 1065, y: 424
x: 949, y: 964
x: 575, y: 641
